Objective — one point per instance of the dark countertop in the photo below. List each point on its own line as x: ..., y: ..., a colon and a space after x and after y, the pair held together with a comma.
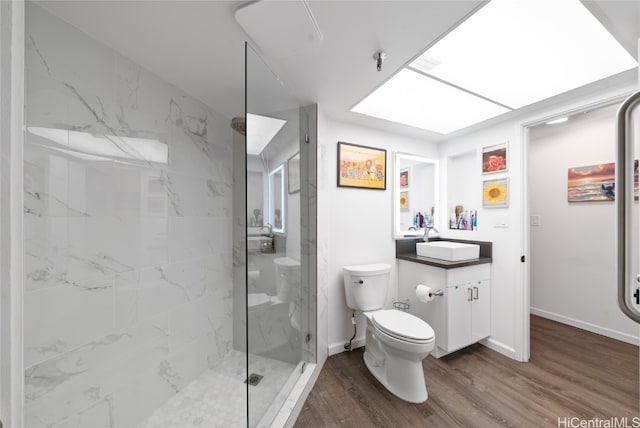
x: 406, y: 250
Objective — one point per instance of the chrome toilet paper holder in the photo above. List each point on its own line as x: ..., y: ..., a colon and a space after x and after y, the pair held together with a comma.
x: 401, y: 306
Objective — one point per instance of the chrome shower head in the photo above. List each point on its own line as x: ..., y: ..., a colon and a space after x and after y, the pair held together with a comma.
x: 238, y: 125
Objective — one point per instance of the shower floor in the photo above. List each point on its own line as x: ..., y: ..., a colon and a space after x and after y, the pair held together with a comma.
x: 218, y: 397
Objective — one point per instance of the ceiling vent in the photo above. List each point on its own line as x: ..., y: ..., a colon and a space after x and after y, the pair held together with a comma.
x: 280, y: 29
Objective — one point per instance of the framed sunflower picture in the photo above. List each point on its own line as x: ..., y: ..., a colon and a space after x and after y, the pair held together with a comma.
x: 404, y: 201
x: 495, y: 193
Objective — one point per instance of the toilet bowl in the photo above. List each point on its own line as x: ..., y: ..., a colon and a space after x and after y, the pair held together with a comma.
x: 396, y: 342
x: 269, y: 321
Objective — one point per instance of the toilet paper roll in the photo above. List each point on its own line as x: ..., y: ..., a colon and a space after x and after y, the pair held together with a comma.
x: 424, y: 293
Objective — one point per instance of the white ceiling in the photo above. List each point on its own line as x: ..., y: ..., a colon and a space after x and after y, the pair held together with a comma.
x: 543, y: 131
x: 199, y: 46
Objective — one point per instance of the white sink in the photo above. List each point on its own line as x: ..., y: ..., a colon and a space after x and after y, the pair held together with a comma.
x: 447, y: 250
x: 255, y: 231
x: 258, y: 243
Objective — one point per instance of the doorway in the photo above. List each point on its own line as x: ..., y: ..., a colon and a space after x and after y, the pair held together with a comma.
x: 571, y: 222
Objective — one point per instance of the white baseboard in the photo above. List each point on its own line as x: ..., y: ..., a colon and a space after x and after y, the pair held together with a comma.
x: 614, y: 334
x: 336, y: 348
x: 499, y: 347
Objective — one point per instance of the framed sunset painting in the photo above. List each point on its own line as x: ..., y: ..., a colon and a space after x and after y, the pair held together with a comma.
x: 591, y: 183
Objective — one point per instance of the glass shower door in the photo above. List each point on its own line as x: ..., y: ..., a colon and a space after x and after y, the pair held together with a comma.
x: 277, y: 268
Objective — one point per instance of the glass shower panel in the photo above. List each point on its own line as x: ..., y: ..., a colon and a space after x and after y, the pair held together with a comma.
x: 277, y: 297
x: 128, y: 246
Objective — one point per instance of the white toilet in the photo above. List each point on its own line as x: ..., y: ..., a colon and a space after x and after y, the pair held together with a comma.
x: 288, y: 287
x: 396, y: 342
x: 268, y: 314
x: 287, y: 278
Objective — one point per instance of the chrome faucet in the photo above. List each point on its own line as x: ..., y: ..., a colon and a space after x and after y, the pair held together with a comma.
x: 269, y: 228
x: 428, y: 229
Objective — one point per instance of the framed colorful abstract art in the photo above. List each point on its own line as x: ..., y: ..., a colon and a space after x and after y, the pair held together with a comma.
x: 362, y: 166
x: 293, y: 173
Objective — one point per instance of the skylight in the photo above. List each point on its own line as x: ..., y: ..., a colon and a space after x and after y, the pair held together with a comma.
x: 260, y: 131
x: 512, y: 53
x: 413, y: 99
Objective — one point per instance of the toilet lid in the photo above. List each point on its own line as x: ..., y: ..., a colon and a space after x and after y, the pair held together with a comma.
x: 402, y: 325
x: 286, y: 261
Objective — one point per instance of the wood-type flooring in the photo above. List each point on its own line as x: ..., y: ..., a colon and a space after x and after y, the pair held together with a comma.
x: 572, y: 377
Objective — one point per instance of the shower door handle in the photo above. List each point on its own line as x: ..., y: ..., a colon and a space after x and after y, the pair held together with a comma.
x: 624, y: 205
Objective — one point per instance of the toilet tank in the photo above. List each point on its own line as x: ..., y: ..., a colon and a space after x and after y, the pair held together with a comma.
x: 287, y: 278
x: 366, y: 286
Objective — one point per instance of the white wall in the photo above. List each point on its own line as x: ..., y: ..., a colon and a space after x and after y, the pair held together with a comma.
x: 509, y: 304
x: 360, y: 221
x: 324, y: 184
x: 12, y: 31
x: 507, y: 245
x: 573, y: 271
x: 128, y: 260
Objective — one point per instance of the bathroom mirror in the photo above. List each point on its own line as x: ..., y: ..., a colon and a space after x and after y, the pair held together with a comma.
x: 256, y: 191
x: 276, y: 208
x: 415, y: 195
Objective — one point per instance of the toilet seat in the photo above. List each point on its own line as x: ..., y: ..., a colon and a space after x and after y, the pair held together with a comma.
x: 257, y: 301
x: 403, y: 326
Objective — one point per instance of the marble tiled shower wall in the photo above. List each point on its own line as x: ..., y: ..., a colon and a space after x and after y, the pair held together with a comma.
x: 127, y: 233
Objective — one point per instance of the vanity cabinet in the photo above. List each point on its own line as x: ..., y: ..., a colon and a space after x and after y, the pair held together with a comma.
x: 462, y: 315
x: 468, y: 313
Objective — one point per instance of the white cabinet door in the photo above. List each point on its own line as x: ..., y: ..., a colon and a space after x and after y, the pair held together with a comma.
x: 480, y: 310
x: 459, y: 299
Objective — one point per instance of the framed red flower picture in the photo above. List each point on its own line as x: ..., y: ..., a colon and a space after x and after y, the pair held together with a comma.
x: 495, y: 158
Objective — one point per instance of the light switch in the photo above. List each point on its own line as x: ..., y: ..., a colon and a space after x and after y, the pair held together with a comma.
x: 535, y: 220
x: 501, y: 221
